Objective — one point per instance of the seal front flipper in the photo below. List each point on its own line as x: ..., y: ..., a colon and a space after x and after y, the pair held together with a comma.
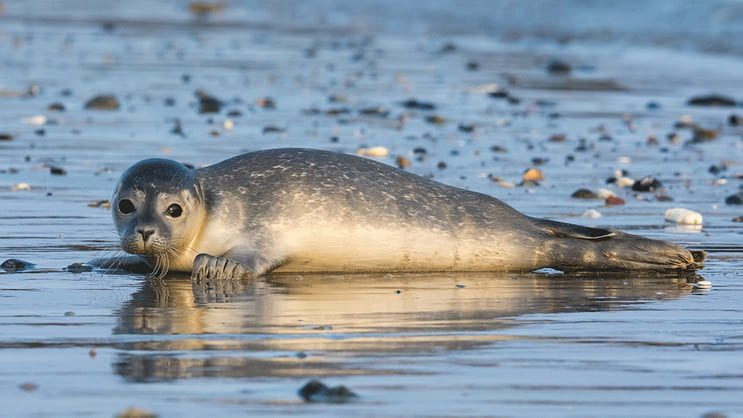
x: 208, y: 268
x: 131, y: 263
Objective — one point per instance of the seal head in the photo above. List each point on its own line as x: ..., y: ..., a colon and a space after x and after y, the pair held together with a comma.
x: 158, y: 208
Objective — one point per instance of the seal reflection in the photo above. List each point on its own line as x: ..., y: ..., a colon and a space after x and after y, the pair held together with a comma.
x: 324, y: 325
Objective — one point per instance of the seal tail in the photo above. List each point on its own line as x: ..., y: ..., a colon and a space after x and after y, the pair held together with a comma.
x: 573, y: 248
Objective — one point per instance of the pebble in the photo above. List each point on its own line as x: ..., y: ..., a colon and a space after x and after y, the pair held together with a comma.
x: 14, y: 264
x: 703, y: 284
x: 605, y: 193
x: 403, y: 162
x: 106, y: 204
x: 532, y: 174
x: 591, y: 214
x: 466, y: 127
x: 558, y: 67
x: 56, y: 107
x: 623, y: 182
x: 584, y: 194
x: 418, y: 105
x: 435, y: 119
x: 271, y: 129
x: 20, y: 187
x: 734, y: 199
x: 266, y: 103
x: 228, y: 124
x: 133, y: 412
x: 614, y: 201
x: 683, y: 216
x: 557, y: 138
x: 35, y: 120
x: 703, y: 135
x: 28, y: 386
x: 316, y: 391
x: 737, y: 219
x: 735, y: 120
x: 379, y: 152
x: 57, y: 171
x: 6, y: 137
x: 103, y: 102
x: 711, y: 100
x: 208, y: 103
x: 647, y: 184
x: 441, y: 165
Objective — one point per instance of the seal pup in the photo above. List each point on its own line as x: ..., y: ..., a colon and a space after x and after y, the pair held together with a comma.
x: 304, y: 210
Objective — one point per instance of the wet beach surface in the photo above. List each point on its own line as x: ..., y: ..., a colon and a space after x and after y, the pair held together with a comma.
x: 93, y: 344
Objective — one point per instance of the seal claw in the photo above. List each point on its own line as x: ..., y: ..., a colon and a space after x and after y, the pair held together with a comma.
x: 208, y: 268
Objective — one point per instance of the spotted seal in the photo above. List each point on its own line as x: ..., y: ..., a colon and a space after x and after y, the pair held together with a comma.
x: 304, y: 210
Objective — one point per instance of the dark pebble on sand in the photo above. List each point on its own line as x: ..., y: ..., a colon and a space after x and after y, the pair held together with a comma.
x: 40, y: 132
x: 734, y: 199
x: 652, y: 105
x: 169, y: 102
x: 466, y: 127
x: 663, y: 198
x: 711, y: 100
x: 584, y: 194
x: 57, y: 171
x: 499, y: 94
x: 417, y: 105
x: 266, y: 103
x: 436, y: 119
x: 558, y: 67
x: 56, y: 107
x: 316, y: 391
x: 703, y: 135
x: 335, y: 111
x: 28, y: 386
x: 473, y: 65
x: 14, y: 264
x: 103, y: 102
x: 441, y: 165
x: 78, y: 268
x: 737, y: 219
x: 735, y: 120
x: 271, y: 129
x: 647, y: 184
x: 403, y: 162
x: 558, y: 138
x: 208, y: 103
x: 6, y: 137
x: 235, y: 113
x: 375, y: 111
x: 499, y: 149
x: 301, y: 355
x: 614, y: 201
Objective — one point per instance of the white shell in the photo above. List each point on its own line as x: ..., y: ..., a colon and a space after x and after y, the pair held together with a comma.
x: 379, y: 151
x: 605, y: 193
x: 591, y: 214
x: 703, y: 284
x: 625, y: 182
x: 683, y: 216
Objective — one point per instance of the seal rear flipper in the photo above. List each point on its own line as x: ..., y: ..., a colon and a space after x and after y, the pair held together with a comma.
x: 566, y: 230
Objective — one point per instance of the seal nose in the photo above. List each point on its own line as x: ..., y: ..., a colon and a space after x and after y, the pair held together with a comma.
x: 146, y: 233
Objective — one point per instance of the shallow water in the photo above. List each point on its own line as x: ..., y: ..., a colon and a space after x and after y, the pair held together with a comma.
x: 444, y: 344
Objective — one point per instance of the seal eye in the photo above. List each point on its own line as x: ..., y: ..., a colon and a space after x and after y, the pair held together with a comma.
x: 175, y: 210
x: 126, y: 206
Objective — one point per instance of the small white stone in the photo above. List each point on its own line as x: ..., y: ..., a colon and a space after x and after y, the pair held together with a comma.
x: 20, y: 187
x: 683, y: 216
x: 591, y: 214
x: 379, y: 152
x: 625, y: 182
x: 703, y: 284
x: 605, y: 193
x: 35, y: 120
x: 229, y: 124
x: 624, y: 159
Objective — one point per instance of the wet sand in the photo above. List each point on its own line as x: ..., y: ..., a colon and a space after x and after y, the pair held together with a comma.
x: 427, y: 345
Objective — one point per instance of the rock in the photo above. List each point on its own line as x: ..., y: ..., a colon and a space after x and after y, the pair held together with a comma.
x: 499, y: 93
x: 591, y: 214
x: 441, y: 165
x: 133, y: 412
x: 647, y: 184
x: 683, y: 216
x: 614, y: 201
x: 266, y: 103
x: 473, y: 65
x: 735, y: 199
x: 558, y: 67
x: 499, y: 149
x: 374, y: 111
x: 466, y: 127
x: 379, y: 152
x: 532, y: 174
x: 106, y: 204
x: 557, y: 138
x: 103, y: 102
x: 605, y: 194
x: 403, y: 162
x: 28, y: 386
x: 208, y: 103
x: 20, y: 187
x: 14, y: 264
x: 78, y: 268
x: 228, y: 124
x: 737, y: 219
x: 6, y: 137
x: 435, y: 119
x: 202, y: 9
x: 56, y: 107
x: 271, y: 129
x: 418, y: 105
x: 735, y: 120
x: 584, y: 194
x: 703, y: 135
x: 57, y: 171
x: 711, y: 100
x: 316, y: 391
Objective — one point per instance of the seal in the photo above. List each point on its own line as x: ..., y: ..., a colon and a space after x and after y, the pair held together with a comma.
x: 304, y: 210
